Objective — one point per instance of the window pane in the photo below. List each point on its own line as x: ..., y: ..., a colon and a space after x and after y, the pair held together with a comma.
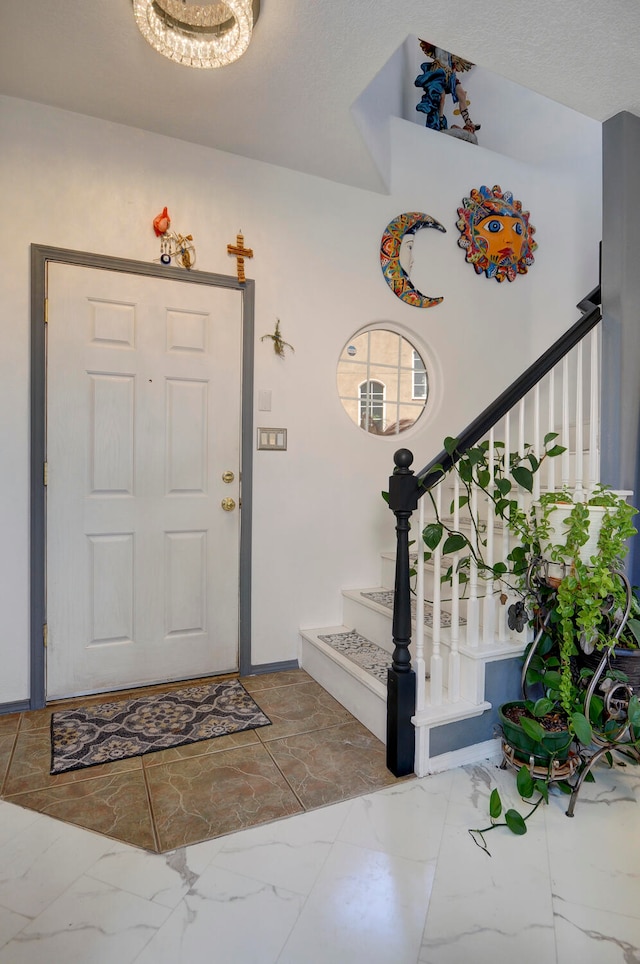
x: 382, y: 381
x: 372, y: 407
x: 419, y: 377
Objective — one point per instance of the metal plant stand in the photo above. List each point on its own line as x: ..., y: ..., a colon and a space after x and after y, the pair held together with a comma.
x: 615, y: 734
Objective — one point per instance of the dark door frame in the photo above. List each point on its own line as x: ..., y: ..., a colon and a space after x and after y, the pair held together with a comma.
x: 41, y: 256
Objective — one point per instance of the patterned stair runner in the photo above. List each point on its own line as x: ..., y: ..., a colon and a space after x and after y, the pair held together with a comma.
x: 385, y: 598
x: 360, y: 651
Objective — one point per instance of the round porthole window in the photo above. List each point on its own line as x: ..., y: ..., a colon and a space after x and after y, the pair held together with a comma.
x: 382, y: 382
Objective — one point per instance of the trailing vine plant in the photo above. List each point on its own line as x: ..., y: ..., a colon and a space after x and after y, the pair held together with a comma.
x: 588, y: 592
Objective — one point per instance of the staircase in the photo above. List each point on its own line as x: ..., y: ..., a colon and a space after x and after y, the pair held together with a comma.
x: 351, y: 662
x: 466, y: 659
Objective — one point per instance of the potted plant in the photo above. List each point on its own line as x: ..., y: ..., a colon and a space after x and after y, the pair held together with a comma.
x: 584, y: 539
x: 547, y: 744
x: 566, y: 577
x: 624, y: 655
x: 588, y: 553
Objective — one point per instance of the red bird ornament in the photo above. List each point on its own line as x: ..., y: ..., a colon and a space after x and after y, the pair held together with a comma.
x: 161, y: 223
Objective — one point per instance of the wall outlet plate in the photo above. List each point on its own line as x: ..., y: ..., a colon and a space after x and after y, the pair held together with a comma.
x: 273, y: 439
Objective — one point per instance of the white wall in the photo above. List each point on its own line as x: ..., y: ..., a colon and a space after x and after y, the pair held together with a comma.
x: 514, y: 321
x: 381, y: 100
x: 71, y: 181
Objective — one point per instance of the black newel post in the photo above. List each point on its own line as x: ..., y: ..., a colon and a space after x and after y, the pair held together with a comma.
x: 401, y: 679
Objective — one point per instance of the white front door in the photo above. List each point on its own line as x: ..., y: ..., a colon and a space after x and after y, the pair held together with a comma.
x: 143, y: 422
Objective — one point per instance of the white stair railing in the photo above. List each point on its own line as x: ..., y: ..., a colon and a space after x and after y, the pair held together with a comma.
x: 475, y: 616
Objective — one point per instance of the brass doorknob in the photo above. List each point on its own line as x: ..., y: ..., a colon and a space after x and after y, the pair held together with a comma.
x: 228, y: 505
x: 228, y: 476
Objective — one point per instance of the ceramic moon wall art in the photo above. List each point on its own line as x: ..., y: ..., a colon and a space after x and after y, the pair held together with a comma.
x: 396, y: 256
x: 495, y: 233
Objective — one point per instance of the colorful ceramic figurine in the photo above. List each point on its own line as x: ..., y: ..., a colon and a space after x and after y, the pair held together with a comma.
x: 496, y: 234
x: 438, y: 79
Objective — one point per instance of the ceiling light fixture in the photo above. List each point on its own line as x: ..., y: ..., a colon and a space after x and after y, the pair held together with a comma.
x: 197, y: 34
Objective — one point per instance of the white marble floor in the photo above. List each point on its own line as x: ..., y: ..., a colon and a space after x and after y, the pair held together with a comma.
x: 389, y: 877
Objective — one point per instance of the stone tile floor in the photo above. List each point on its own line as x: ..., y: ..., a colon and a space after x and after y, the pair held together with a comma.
x: 389, y: 876
x: 314, y: 753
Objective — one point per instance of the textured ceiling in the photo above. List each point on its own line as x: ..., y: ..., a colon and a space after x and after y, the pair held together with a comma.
x: 287, y: 100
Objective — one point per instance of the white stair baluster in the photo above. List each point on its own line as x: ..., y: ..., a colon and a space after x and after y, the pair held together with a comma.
x: 537, y: 441
x: 435, y: 669
x: 579, y: 460
x: 418, y: 662
x: 594, y: 411
x: 454, y: 654
x: 489, y: 601
x: 566, y: 437
x: 473, y: 611
x: 502, y: 615
x: 521, y: 496
x: 521, y: 443
x: 551, y: 463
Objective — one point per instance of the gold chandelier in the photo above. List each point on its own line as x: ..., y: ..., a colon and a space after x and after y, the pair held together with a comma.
x: 197, y: 34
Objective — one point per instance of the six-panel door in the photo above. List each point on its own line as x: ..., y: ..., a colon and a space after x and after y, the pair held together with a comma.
x: 143, y: 421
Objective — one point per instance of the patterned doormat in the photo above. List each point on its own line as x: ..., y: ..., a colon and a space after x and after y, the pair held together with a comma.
x: 121, y: 729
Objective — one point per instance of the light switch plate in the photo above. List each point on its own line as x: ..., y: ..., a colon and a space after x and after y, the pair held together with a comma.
x: 273, y: 439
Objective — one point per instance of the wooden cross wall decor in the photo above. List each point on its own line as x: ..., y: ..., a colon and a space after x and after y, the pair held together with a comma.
x: 238, y: 249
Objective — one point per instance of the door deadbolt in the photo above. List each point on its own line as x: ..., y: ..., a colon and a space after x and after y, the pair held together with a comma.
x: 228, y: 476
x: 228, y: 505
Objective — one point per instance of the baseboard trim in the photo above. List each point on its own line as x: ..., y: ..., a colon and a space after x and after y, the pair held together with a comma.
x: 20, y: 706
x: 490, y: 749
x: 282, y: 667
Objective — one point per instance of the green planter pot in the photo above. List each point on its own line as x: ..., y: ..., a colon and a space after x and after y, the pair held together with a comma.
x: 556, y: 745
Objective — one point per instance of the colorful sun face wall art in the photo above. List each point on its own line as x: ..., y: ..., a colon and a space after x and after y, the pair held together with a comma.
x: 396, y: 256
x: 496, y: 234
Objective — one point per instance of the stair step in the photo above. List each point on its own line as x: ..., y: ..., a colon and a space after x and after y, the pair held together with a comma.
x: 483, y: 587
x: 353, y: 669
x: 384, y: 597
x: 359, y: 650
x: 370, y: 612
x: 327, y: 654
